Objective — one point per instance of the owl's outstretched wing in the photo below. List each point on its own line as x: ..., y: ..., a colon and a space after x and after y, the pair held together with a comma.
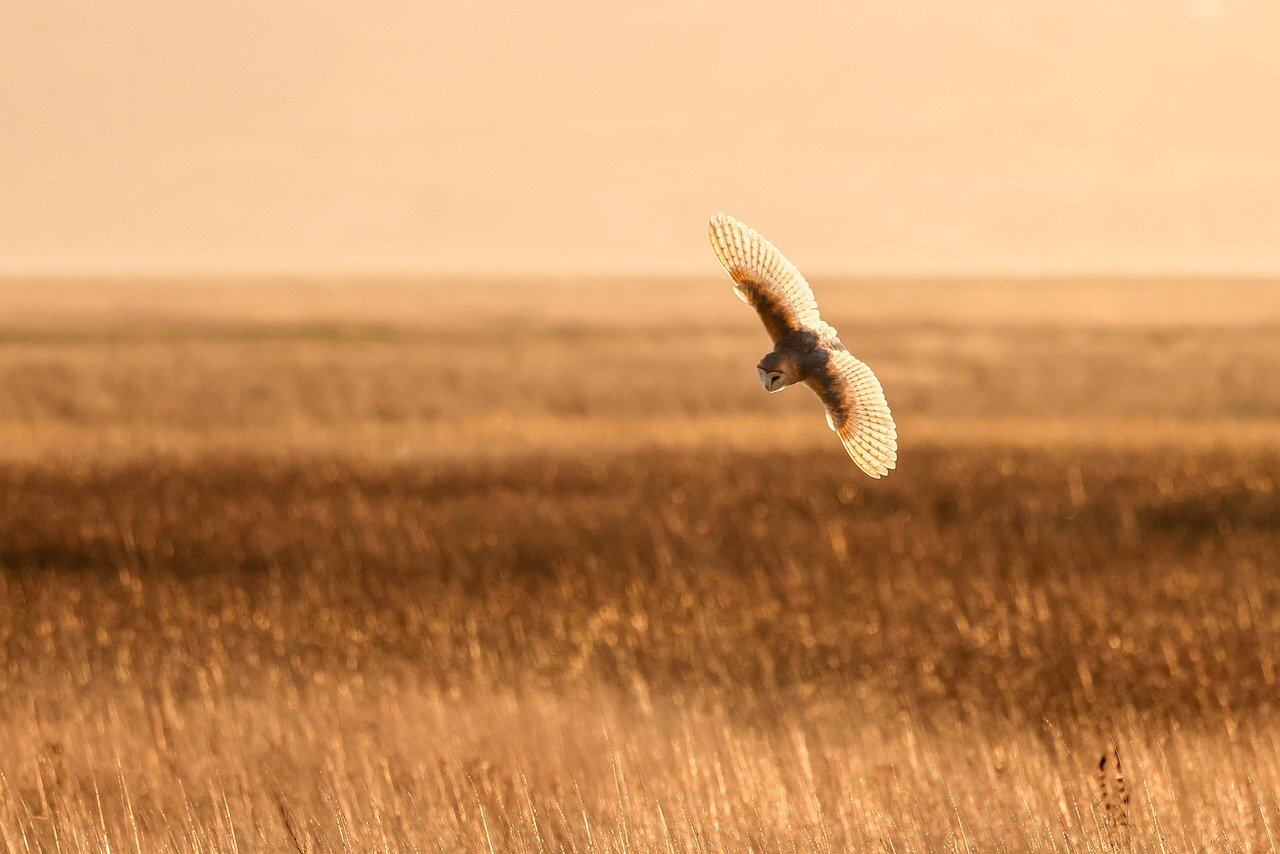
x: 857, y: 412
x: 766, y: 280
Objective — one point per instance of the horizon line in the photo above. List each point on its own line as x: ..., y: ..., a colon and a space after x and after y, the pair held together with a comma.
x: 270, y: 273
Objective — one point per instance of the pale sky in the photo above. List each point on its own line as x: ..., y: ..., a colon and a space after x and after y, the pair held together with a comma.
x: 268, y: 136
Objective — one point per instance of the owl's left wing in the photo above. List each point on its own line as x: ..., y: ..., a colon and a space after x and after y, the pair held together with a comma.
x: 766, y: 280
x: 857, y: 412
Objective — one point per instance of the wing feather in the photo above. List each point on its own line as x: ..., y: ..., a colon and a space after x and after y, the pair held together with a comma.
x: 766, y: 280
x: 858, y: 412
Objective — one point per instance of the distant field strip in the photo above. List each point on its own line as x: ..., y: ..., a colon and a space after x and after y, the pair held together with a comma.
x: 508, y: 438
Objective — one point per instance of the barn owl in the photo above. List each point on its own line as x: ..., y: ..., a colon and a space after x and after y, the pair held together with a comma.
x: 806, y: 349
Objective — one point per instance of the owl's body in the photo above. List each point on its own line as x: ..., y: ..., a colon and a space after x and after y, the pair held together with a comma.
x: 800, y: 356
x: 806, y: 348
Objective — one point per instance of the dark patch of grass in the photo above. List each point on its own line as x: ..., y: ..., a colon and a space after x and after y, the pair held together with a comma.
x: 979, y: 580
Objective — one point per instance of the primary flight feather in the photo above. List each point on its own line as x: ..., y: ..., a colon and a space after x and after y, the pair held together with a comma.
x: 807, y: 349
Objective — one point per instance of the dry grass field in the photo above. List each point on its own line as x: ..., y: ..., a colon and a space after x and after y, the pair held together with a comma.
x: 537, y: 566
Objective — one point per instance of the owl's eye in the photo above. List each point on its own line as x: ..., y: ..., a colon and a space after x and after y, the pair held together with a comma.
x: 773, y: 380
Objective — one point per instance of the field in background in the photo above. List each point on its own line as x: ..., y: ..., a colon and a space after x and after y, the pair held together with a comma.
x: 538, y: 566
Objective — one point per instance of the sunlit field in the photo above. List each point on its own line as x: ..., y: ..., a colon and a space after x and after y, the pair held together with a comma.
x: 538, y: 566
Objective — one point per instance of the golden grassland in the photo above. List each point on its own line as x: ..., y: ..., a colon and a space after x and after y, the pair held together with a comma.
x: 538, y: 566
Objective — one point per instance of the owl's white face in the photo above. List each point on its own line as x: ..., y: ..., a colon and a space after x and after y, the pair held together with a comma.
x: 772, y: 380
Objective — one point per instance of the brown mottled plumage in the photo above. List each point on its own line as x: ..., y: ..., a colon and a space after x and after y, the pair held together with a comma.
x: 806, y: 348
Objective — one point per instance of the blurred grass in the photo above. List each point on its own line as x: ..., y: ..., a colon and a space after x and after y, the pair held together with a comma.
x: 278, y: 581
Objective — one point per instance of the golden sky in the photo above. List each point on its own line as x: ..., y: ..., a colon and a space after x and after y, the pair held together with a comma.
x: 273, y: 136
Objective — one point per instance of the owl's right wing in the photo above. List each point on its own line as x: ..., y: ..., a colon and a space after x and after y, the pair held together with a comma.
x: 857, y: 412
x: 766, y: 280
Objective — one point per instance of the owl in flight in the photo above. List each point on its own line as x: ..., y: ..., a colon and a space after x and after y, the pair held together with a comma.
x: 805, y: 348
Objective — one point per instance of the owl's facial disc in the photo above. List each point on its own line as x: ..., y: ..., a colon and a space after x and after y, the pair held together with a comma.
x: 772, y: 380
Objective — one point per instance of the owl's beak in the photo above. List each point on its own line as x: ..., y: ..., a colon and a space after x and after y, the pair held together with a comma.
x: 771, y: 380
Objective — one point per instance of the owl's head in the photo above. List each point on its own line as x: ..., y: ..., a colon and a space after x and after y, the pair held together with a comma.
x: 777, y: 371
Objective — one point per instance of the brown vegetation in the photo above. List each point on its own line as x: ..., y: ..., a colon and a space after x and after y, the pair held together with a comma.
x: 412, y: 570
